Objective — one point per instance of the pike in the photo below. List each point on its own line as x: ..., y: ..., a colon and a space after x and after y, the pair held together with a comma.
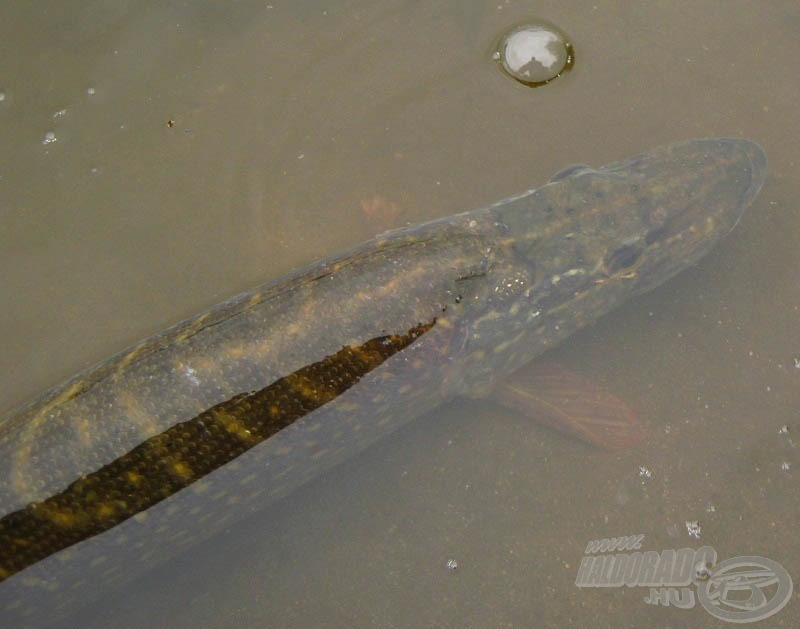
x: 175, y: 438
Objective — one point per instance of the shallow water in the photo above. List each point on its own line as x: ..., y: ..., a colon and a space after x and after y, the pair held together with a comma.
x: 201, y: 151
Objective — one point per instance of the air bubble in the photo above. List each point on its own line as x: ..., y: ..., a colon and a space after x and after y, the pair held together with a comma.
x: 534, y: 53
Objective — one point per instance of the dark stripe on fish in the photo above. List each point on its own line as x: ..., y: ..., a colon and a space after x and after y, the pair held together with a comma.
x: 183, y: 454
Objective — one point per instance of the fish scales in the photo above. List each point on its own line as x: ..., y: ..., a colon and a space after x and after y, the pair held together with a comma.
x: 240, y: 405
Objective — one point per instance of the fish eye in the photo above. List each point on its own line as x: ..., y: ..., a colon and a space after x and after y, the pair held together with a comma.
x: 625, y: 258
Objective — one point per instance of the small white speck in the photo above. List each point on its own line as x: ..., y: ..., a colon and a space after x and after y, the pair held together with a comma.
x: 59, y: 114
x: 693, y: 528
x: 786, y: 466
x: 49, y: 138
x: 452, y: 564
x: 645, y: 473
x: 783, y: 430
x: 191, y: 375
x: 90, y: 91
x: 702, y: 571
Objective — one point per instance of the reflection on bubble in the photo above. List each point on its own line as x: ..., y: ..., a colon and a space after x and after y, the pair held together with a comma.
x: 534, y: 53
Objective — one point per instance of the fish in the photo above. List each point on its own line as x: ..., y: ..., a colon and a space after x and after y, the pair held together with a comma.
x: 175, y: 438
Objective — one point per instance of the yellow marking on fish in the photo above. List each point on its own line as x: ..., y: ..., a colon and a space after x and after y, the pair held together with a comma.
x: 133, y: 477
x: 502, y: 347
x: 19, y: 480
x: 181, y: 469
x: 143, y: 421
x: 74, y: 389
x: 234, y: 427
x: 128, y: 358
x: 235, y: 351
x: 105, y: 510
x: 84, y: 429
x: 444, y: 323
x: 60, y: 517
x: 301, y: 386
x: 291, y: 329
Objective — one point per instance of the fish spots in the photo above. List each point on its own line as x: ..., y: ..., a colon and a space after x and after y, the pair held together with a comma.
x: 61, y: 518
x: 444, y: 323
x: 134, y: 478
x: 234, y: 351
x: 83, y: 428
x: 105, y: 510
x: 181, y: 470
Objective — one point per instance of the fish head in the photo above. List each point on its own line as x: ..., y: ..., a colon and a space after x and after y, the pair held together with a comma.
x: 596, y: 237
x: 681, y: 199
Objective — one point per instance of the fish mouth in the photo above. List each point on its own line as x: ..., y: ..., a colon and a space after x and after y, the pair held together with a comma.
x: 725, y: 176
x: 758, y: 169
x: 754, y: 167
x: 724, y: 197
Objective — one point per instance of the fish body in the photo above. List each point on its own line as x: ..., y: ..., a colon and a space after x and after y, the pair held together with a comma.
x: 170, y: 441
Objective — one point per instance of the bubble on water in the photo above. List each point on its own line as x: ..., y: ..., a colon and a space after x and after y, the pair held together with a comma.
x: 452, y: 565
x: 49, y: 138
x: 534, y: 53
x: 2, y: 96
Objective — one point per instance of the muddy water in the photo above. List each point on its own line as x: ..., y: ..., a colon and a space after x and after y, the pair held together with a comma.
x: 159, y: 159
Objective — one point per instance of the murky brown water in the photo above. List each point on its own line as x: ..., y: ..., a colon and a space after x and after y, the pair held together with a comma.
x: 285, y: 120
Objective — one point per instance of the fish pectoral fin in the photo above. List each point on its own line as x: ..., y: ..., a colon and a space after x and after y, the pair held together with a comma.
x: 572, y: 404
